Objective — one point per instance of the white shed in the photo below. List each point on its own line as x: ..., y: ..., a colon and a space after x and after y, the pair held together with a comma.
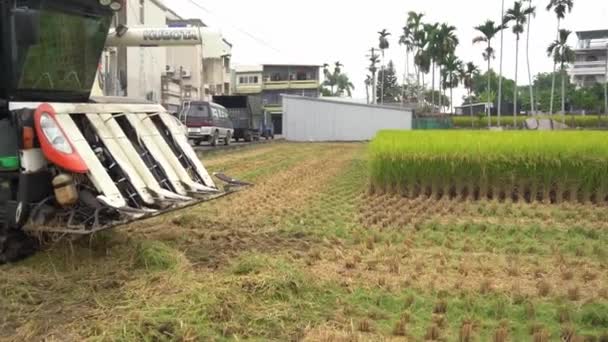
x: 319, y: 119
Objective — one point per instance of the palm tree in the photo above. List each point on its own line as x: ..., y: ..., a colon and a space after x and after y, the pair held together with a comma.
x: 502, y: 45
x: 374, y: 59
x: 531, y: 12
x: 383, y: 45
x: 406, y: 40
x: 431, y: 51
x: 414, y: 23
x: 563, y: 55
x: 446, y: 46
x: 344, y: 85
x: 330, y: 79
x: 468, y: 76
x: 452, y: 70
x: 560, y: 7
x: 488, y: 30
x: 519, y: 16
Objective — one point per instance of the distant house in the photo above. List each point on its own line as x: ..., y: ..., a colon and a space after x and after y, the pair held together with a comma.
x: 271, y: 81
x: 591, y: 64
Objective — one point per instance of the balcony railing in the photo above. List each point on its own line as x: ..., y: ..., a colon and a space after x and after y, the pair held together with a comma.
x: 594, y: 64
x: 280, y: 85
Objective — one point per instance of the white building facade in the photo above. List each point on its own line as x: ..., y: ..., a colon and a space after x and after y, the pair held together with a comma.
x: 591, y: 64
x: 166, y: 74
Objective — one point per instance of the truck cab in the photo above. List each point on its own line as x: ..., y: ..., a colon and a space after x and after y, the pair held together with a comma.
x: 207, y: 121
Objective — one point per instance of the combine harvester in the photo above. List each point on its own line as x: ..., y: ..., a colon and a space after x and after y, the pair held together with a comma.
x: 75, y: 164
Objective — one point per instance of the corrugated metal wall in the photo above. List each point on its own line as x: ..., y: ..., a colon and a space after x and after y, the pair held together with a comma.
x: 308, y: 119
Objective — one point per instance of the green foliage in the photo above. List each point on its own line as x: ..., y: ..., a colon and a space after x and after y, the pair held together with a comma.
x: 336, y: 83
x: 442, y: 160
x: 392, y: 89
x: 573, y: 121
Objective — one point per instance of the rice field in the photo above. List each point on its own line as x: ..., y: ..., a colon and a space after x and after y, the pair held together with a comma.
x: 310, y: 254
x: 549, y: 167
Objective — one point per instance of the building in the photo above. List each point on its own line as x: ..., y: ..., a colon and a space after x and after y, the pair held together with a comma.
x: 271, y: 81
x: 591, y: 64
x: 321, y: 119
x: 166, y: 74
x: 204, y: 71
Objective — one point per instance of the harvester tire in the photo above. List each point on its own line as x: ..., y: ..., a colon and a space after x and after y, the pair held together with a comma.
x: 15, y: 245
x: 228, y: 139
x: 215, y: 138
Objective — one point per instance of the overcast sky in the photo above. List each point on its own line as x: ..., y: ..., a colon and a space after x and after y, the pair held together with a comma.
x: 325, y: 31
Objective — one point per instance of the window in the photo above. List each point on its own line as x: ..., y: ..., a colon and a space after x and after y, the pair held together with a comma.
x: 66, y: 56
x: 253, y: 79
x: 302, y: 76
x: 243, y: 80
x: 199, y: 111
x: 215, y: 113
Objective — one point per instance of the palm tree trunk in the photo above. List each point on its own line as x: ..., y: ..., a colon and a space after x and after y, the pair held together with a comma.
x: 382, y: 81
x: 489, y: 90
x: 502, y: 44
x: 554, y: 67
x: 433, y: 87
x: 532, y: 103
x: 451, y: 97
x: 405, y: 74
x: 515, y: 92
x: 471, y: 109
x: 441, y: 90
x: 563, y: 112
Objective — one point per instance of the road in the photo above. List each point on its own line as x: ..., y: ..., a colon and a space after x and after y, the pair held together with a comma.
x: 207, y: 148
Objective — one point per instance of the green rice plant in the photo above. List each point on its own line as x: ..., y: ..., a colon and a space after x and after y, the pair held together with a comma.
x: 557, y: 165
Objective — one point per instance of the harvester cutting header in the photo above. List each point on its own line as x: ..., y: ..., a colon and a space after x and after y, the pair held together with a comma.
x: 74, y: 164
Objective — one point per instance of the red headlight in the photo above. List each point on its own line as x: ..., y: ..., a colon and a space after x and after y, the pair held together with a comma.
x: 54, y: 143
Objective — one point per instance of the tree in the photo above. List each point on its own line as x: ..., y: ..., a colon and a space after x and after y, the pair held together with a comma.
x: 502, y: 45
x: 488, y: 30
x: 344, y: 86
x: 468, y: 74
x: 560, y: 8
x: 338, y: 82
x: 452, y: 70
x: 383, y: 45
x: 563, y: 55
x: 390, y: 83
x: 374, y: 59
x: 446, y: 46
x: 414, y: 22
x: 519, y: 16
x: 531, y: 13
x: 431, y: 53
x: 406, y: 40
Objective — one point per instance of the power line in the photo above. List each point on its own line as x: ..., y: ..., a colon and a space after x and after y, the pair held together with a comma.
x: 243, y: 31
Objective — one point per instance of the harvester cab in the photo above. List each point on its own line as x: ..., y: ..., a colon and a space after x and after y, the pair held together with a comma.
x: 71, y: 164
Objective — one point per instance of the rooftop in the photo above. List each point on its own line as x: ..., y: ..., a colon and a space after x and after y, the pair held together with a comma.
x: 591, y: 35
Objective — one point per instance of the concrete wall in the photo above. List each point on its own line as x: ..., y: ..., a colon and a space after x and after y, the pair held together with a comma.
x: 309, y: 119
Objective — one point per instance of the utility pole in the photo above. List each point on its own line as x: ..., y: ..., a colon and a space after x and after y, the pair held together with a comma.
x: 373, y: 59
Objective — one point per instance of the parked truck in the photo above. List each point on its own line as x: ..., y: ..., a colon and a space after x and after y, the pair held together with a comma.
x: 70, y: 163
x: 249, y: 120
